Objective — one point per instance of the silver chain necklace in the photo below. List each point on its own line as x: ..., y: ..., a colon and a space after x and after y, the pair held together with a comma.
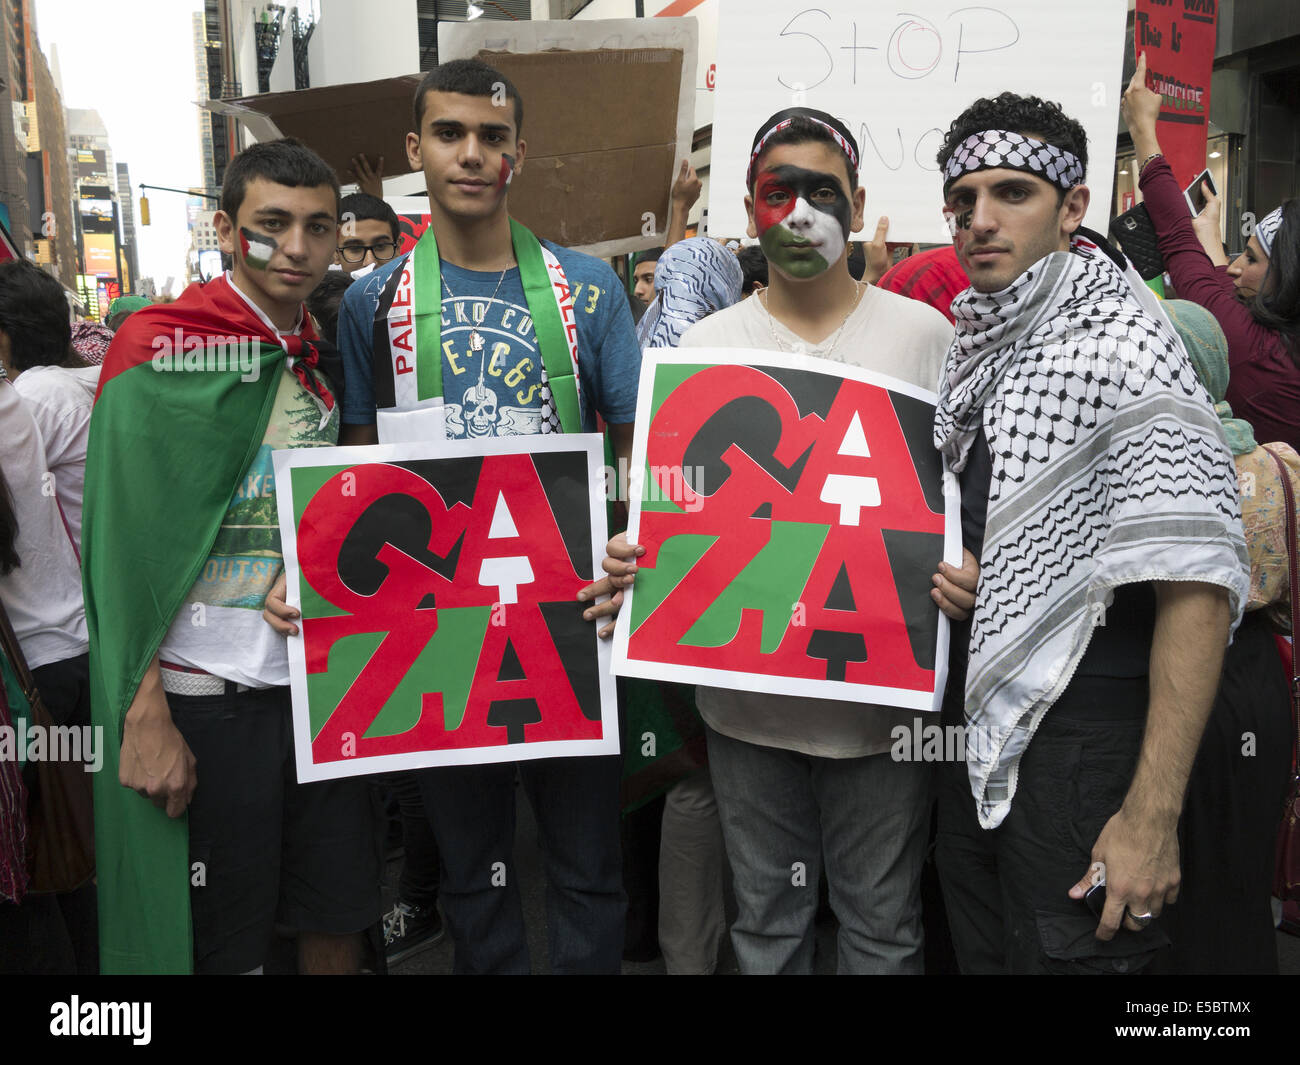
x: 476, y: 341
x: 835, y: 337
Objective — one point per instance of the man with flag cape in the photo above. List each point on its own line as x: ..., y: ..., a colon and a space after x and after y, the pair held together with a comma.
x: 180, y: 547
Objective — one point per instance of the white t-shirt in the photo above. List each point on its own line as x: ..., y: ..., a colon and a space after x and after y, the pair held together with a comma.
x: 43, y: 595
x: 219, y: 628
x: 60, y: 401
x: 890, y: 334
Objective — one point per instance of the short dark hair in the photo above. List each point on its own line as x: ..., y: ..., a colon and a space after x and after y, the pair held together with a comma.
x: 649, y: 255
x: 468, y: 77
x: 34, y: 315
x: 1026, y: 115
x: 362, y: 206
x: 285, y: 162
x: 753, y: 266
x: 323, y: 303
x: 806, y: 125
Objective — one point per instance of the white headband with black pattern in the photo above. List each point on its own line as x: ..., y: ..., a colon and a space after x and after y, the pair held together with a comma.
x: 996, y: 148
x: 1266, y: 229
x: 845, y: 146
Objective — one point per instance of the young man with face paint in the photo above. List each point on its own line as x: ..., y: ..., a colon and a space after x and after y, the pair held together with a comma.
x: 1100, y: 495
x: 499, y: 362
x: 798, y: 779
x: 180, y: 547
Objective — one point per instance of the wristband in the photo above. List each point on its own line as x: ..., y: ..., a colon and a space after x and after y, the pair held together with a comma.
x: 1153, y: 155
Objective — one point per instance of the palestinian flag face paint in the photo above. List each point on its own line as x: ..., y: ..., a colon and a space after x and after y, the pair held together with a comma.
x: 507, y: 172
x: 257, y: 248
x: 802, y: 217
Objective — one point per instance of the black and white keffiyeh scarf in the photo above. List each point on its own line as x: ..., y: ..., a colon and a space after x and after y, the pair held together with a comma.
x: 1109, y: 467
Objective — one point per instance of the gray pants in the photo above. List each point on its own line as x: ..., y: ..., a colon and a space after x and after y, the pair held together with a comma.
x: 691, y: 916
x: 781, y: 812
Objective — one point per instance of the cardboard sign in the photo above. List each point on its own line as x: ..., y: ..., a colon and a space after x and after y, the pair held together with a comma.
x: 1178, y: 40
x: 337, y: 122
x: 608, y: 117
x: 898, y: 79
x: 437, y: 585
x: 793, y: 513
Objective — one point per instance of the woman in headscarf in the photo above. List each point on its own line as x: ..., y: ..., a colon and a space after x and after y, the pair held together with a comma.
x: 1255, y: 299
x: 1223, y: 920
x: 694, y: 278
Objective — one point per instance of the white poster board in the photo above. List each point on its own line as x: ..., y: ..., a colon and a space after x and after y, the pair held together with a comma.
x: 792, y: 510
x: 437, y: 585
x: 898, y: 79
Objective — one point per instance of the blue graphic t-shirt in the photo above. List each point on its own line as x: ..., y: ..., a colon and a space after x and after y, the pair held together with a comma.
x: 496, y: 390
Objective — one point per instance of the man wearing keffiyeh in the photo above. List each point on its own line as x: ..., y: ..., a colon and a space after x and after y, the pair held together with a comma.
x: 1099, y: 493
x: 204, y: 838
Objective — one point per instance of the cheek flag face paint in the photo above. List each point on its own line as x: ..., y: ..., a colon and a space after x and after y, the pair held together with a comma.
x: 257, y: 248
x: 804, y: 228
x: 507, y: 171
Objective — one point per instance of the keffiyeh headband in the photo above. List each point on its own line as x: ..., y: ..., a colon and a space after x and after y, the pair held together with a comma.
x: 1267, y: 229
x: 996, y: 148
x: 90, y: 340
x: 845, y: 144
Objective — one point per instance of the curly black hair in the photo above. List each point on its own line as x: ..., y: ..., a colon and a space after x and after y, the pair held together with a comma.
x: 1026, y: 115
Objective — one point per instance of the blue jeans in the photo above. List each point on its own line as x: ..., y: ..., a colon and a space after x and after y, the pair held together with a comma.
x: 576, y: 803
x: 781, y: 812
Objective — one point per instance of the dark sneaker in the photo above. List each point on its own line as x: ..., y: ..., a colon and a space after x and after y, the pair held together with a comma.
x: 410, y: 929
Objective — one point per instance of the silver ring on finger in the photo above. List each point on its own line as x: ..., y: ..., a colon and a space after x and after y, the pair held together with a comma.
x: 1142, y: 919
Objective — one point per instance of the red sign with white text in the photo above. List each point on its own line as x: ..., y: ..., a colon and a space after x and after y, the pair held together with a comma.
x: 1178, y: 39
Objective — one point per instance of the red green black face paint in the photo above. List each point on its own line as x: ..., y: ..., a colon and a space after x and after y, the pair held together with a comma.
x: 803, y: 218
x: 507, y: 171
x: 257, y: 248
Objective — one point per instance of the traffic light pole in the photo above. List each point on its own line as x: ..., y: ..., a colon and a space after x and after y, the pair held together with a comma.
x: 144, y: 200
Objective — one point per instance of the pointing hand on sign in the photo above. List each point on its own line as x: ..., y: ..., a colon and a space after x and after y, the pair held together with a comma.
x: 1141, y: 108
x: 686, y: 189
x: 877, y: 253
x: 370, y: 179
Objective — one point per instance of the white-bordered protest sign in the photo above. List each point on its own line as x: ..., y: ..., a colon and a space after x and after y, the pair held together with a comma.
x: 897, y: 79
x: 793, y: 511
x: 437, y: 584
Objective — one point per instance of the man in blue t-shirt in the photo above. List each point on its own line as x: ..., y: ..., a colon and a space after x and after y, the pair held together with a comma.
x: 497, y: 390
x: 494, y: 384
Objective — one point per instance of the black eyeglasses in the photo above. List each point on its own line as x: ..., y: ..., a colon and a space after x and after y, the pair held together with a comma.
x: 382, y: 250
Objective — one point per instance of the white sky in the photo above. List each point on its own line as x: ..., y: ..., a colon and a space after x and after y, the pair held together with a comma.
x: 133, y: 62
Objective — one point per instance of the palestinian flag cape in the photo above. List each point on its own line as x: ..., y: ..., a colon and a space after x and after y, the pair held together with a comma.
x: 184, y: 399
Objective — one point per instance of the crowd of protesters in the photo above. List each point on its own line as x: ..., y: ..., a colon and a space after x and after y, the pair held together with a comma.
x: 1113, y: 826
